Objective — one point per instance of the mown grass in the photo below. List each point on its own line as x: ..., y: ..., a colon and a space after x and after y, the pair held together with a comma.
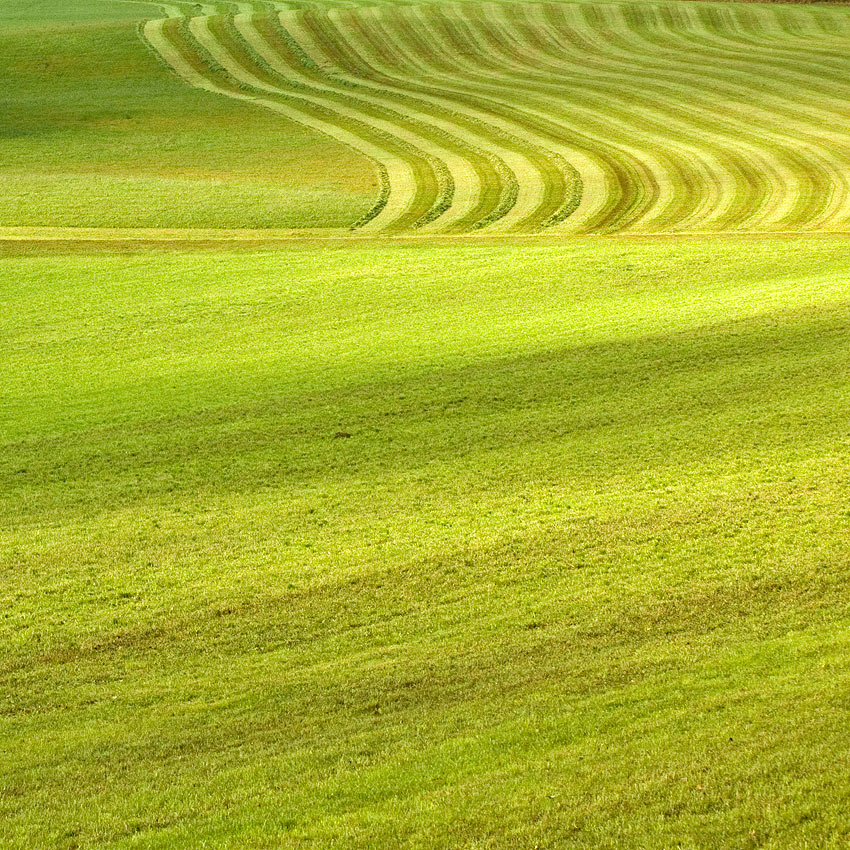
x: 577, y: 577
x: 95, y: 131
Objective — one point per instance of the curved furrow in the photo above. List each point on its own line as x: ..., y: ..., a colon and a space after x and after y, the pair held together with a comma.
x: 472, y: 203
x: 708, y: 188
x: 779, y: 28
x: 344, y: 48
x: 459, y: 193
x: 462, y: 58
x: 400, y: 187
x: 817, y: 103
x: 819, y: 162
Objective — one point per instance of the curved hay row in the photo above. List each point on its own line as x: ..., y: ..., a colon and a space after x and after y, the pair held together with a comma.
x: 595, y: 117
x: 812, y: 162
x: 581, y: 117
x: 397, y: 177
x: 465, y: 186
x: 540, y: 178
x: 809, y: 146
x: 809, y: 115
x: 775, y: 184
x: 366, y: 60
x: 500, y: 184
x: 602, y: 115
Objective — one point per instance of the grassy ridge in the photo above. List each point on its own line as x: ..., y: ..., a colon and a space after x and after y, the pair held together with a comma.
x: 577, y: 577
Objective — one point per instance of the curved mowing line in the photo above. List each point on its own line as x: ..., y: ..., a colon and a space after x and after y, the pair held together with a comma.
x: 784, y: 187
x: 505, y: 58
x: 529, y: 180
x: 490, y: 40
x: 557, y: 203
x: 433, y: 184
x: 718, y: 180
x: 540, y: 182
x: 704, y: 169
x: 668, y: 176
x: 813, y: 140
x: 581, y: 117
x: 733, y: 131
x: 464, y: 179
x: 770, y: 173
x: 498, y: 182
x: 468, y: 178
x: 395, y: 174
x: 488, y: 111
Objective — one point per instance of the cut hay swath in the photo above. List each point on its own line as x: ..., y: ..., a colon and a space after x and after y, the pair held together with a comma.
x: 569, y: 117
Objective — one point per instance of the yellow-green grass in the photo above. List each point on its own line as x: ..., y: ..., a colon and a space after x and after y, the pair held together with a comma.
x: 95, y: 132
x: 577, y: 577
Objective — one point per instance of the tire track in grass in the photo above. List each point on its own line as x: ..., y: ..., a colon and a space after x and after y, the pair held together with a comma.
x: 399, y: 185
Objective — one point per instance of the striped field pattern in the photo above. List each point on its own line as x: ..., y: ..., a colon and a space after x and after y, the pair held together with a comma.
x: 545, y: 117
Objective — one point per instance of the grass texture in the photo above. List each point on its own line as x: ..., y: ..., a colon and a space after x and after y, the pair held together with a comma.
x: 95, y: 132
x: 506, y: 544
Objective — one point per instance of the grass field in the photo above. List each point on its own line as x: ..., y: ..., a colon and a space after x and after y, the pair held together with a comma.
x: 424, y: 426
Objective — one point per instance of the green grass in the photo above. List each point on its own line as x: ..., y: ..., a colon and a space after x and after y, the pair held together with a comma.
x: 409, y: 543
x: 96, y: 132
x: 576, y: 579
